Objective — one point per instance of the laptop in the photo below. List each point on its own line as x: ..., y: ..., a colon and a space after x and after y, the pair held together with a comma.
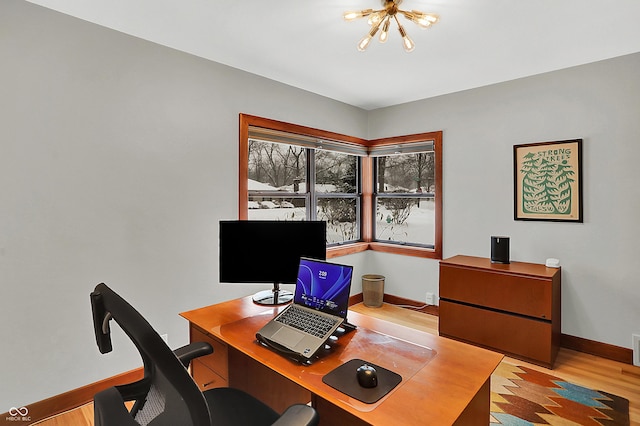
x: 322, y: 293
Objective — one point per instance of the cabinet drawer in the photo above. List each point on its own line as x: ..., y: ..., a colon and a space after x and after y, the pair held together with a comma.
x: 520, y: 294
x: 511, y: 334
x: 218, y: 360
x: 205, y: 377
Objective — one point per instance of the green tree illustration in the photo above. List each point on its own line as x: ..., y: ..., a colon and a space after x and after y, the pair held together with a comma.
x: 560, y: 191
x: 546, y: 185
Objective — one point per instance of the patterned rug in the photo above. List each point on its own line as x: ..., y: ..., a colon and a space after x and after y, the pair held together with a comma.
x: 521, y: 396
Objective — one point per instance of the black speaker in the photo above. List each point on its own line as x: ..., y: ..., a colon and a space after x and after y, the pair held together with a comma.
x: 500, y: 249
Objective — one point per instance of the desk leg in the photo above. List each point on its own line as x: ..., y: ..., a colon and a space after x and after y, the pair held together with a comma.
x: 263, y: 383
x: 330, y: 415
x: 478, y: 410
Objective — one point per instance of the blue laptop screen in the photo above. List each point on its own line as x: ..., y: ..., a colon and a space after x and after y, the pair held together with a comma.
x: 324, y: 286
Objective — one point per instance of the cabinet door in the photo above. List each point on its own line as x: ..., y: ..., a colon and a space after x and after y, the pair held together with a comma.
x: 218, y: 361
x: 512, y: 334
x: 524, y: 295
x: 205, y: 377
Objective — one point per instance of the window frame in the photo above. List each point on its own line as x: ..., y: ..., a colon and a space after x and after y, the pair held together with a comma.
x: 409, y: 250
x: 316, y: 196
x: 367, y: 207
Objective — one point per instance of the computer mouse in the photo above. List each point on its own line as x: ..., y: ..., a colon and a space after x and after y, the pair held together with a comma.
x: 367, y: 376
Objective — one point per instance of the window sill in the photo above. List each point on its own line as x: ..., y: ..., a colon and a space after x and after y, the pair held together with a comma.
x: 346, y: 249
x: 386, y: 248
x: 405, y: 250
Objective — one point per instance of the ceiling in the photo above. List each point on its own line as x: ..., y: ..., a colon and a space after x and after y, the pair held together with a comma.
x: 307, y: 44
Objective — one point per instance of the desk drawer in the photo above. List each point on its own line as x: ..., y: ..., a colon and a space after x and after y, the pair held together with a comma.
x: 507, y: 333
x: 218, y: 361
x: 524, y: 295
x: 206, y: 378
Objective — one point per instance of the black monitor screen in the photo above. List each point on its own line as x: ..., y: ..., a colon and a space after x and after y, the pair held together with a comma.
x: 263, y: 251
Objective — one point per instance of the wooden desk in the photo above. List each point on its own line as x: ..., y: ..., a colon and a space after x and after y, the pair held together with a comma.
x: 445, y: 382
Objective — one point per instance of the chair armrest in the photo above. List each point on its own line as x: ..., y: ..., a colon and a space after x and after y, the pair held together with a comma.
x: 193, y: 350
x: 109, y: 409
x: 298, y: 415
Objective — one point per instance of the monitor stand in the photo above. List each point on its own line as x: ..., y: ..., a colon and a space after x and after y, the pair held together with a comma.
x: 273, y: 297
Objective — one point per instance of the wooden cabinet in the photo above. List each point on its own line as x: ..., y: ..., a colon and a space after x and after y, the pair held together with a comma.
x: 512, y: 308
x: 211, y: 371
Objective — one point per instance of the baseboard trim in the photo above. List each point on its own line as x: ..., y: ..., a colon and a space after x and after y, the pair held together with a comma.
x: 400, y: 301
x: 412, y: 304
x: 592, y: 347
x: 73, y: 399
x: 603, y: 350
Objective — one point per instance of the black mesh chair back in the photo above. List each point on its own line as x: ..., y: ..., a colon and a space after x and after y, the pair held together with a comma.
x: 167, y: 395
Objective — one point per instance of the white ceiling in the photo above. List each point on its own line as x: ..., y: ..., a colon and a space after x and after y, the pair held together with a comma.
x: 308, y: 45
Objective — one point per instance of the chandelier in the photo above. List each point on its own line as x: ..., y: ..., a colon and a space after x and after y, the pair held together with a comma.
x: 382, y: 18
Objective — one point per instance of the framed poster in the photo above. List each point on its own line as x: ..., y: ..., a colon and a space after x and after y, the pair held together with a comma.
x: 548, y: 181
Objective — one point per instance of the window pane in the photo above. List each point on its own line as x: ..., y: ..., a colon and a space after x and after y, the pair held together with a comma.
x: 341, y: 217
x: 336, y: 172
x: 406, y: 173
x: 405, y: 220
x: 276, y: 167
x: 276, y: 208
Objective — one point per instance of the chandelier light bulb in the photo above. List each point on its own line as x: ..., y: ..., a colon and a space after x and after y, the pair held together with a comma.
x: 364, y: 43
x: 355, y: 14
x: 407, y: 43
x: 431, y: 17
x: 376, y: 17
x: 384, y: 35
x: 424, y: 20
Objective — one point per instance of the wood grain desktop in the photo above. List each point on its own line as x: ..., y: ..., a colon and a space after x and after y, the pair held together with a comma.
x: 444, y: 381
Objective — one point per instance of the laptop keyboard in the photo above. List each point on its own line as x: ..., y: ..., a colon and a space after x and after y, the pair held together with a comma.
x: 310, y: 322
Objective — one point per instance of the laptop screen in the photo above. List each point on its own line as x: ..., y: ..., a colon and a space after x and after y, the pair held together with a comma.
x: 324, y: 286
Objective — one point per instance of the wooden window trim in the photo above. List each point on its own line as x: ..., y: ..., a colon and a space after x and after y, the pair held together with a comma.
x: 436, y: 252
x: 367, y: 242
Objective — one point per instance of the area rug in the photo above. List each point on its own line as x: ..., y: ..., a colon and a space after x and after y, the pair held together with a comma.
x: 521, y: 396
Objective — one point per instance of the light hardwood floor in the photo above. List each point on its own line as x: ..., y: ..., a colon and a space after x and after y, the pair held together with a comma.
x: 576, y: 367
x: 582, y: 369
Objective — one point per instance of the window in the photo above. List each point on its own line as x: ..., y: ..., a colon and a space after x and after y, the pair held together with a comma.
x: 405, y: 199
x: 381, y: 195
x: 337, y: 195
x: 277, y: 181
x: 293, y: 182
x: 407, y: 194
x: 296, y: 173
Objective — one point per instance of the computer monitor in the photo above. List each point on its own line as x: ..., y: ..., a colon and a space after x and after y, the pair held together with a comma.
x: 266, y: 251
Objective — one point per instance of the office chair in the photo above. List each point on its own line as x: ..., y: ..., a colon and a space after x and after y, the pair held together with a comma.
x: 167, y: 395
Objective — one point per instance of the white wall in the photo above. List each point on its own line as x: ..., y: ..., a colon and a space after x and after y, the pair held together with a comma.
x: 118, y: 158
x: 599, y: 103
x: 113, y: 151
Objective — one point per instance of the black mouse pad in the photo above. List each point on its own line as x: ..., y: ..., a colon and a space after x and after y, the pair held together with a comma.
x: 344, y: 379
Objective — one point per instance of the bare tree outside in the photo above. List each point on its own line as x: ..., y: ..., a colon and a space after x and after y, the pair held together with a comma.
x: 406, y: 173
x: 410, y: 178
x: 276, y: 164
x: 282, y: 171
